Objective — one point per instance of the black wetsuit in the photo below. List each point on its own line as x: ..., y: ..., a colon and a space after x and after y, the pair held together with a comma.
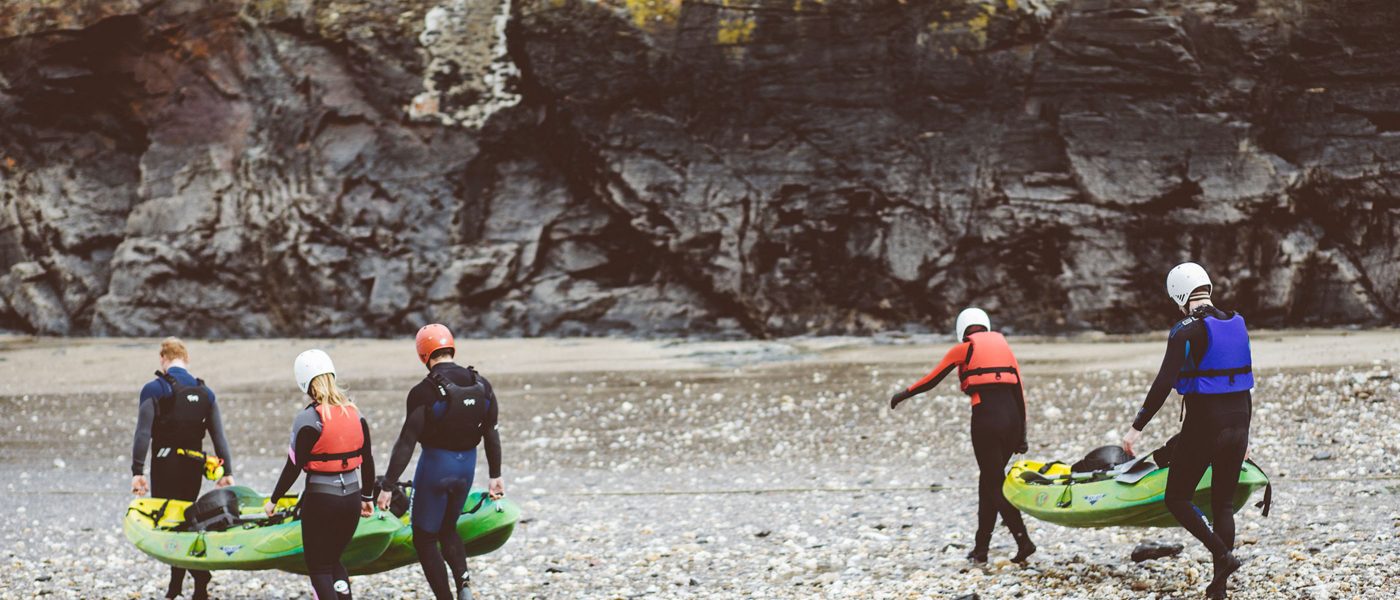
x: 1215, y: 433
x: 173, y: 475
x: 330, y: 505
x: 449, y: 433
x: 998, y: 431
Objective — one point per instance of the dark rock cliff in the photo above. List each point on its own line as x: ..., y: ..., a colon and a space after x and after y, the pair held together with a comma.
x: 760, y: 167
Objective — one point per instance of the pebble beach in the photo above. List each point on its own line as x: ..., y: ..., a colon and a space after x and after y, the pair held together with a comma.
x: 654, y: 469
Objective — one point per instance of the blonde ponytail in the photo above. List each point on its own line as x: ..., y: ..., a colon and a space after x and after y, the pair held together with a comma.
x: 324, y: 391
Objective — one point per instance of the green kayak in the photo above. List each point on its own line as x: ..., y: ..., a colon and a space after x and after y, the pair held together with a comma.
x: 1051, y: 493
x: 154, y: 526
x: 484, y: 526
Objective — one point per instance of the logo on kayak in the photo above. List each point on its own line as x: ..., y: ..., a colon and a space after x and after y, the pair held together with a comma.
x: 229, y: 550
x: 172, y: 545
x: 1040, y: 499
x: 1094, y: 499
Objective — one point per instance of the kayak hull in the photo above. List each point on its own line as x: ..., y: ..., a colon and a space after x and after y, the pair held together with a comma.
x: 248, y: 547
x: 1110, y: 503
x: 484, y: 526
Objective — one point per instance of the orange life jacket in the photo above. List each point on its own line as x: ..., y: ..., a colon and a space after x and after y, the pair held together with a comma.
x: 341, y: 441
x: 989, y: 362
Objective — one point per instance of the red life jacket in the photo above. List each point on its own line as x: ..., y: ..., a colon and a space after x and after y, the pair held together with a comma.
x: 989, y: 361
x: 341, y: 441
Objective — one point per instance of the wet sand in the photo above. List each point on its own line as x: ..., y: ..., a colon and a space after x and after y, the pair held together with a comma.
x: 733, y: 469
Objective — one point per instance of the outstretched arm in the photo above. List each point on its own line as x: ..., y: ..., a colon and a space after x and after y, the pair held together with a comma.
x: 955, y: 357
x: 1162, y: 384
x: 297, y: 457
x: 492, y: 437
x: 403, y: 448
x: 141, y: 443
x: 216, y: 434
x: 366, y: 464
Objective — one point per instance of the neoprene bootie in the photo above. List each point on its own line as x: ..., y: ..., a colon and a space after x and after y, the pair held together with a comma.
x: 1024, y: 547
x: 1224, y: 564
x: 981, y: 542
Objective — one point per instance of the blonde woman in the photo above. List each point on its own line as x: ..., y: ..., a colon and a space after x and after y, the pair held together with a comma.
x: 329, y: 441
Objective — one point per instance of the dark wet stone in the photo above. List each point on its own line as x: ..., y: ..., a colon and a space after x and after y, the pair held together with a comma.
x: 1151, y: 550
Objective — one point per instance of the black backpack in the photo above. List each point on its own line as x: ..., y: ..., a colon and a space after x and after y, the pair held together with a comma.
x: 182, y: 415
x: 216, y: 510
x: 462, y: 408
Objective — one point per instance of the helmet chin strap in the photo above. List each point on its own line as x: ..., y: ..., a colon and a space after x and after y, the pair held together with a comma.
x: 1195, y: 303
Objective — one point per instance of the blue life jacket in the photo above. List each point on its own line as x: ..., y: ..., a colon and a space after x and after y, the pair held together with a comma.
x: 1226, y: 366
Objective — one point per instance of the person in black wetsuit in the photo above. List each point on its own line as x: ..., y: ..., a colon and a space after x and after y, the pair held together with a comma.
x: 450, y: 412
x: 330, y: 439
x: 990, y: 375
x: 168, y: 423
x: 1208, y: 362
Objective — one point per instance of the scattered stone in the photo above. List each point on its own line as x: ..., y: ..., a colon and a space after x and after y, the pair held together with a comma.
x: 1150, y: 550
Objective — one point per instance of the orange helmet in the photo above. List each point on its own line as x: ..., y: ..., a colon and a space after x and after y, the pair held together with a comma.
x: 432, y: 338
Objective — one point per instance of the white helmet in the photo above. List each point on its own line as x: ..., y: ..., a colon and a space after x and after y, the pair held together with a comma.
x: 309, y: 364
x: 1183, y: 279
x: 969, y: 317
